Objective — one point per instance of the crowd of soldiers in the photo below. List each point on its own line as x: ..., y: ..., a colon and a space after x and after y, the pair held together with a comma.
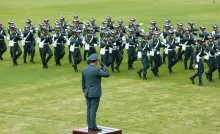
x: 113, y: 40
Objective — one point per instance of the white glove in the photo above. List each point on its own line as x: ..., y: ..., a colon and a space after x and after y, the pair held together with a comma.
x: 36, y: 29
x: 54, y: 35
x: 31, y: 31
x: 64, y: 37
x: 4, y: 36
x: 196, y: 66
x: 19, y: 30
x: 141, y: 24
x: 142, y: 30
x: 22, y: 35
x: 65, y: 29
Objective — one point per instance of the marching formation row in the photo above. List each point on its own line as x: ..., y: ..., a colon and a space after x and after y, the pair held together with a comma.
x: 113, y: 39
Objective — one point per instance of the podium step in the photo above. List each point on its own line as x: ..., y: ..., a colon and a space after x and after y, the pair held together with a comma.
x: 105, y: 130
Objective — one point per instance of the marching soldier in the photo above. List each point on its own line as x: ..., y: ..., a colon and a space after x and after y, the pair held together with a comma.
x: 77, y: 24
x: 75, y: 45
x: 188, y: 42
x: 132, y: 20
x: 121, y: 26
x: 211, y: 50
x: 44, y: 45
x: 28, y: 37
x: 203, y: 34
x: 10, y: 30
x: 167, y: 23
x: 32, y: 29
x: 171, y: 45
x: 218, y: 56
x: 143, y: 48
x: 155, y: 45
x: 3, y: 46
x: 132, y: 43
x: 154, y: 23
x: 179, y: 34
x: 192, y: 29
x: 109, y: 22
x: 116, y: 55
x: 106, y: 47
x: 94, y: 26
x: 91, y: 40
x: 58, y: 40
x: 164, y: 36
x: 47, y: 25
x: 63, y: 23
x: 69, y: 35
x: 216, y: 32
x: 76, y: 17
x: 15, y: 36
x: 85, y: 32
x: 149, y: 37
x: 197, y: 56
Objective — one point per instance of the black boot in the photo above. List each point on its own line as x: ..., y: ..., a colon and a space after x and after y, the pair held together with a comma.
x: 170, y: 71
x: 144, y: 77
x: 113, y: 70
x: 207, y: 75
x: 200, y: 84
x: 139, y: 72
x: 117, y: 68
x: 32, y: 61
x: 192, y: 79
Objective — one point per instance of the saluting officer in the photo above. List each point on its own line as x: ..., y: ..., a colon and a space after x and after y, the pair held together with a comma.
x: 91, y: 86
x: 28, y: 37
x: 188, y: 42
x: 171, y: 45
x: 211, y: 50
x: 144, y: 48
x: 197, y: 56
x: 132, y: 42
x: 76, y: 44
x: 59, y: 40
x: 44, y: 45
x: 15, y: 36
x: 3, y: 46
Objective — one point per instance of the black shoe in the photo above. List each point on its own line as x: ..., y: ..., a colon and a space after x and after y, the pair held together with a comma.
x: 32, y: 61
x: 186, y: 68
x: 207, y: 75
x: 191, y: 68
x: 164, y: 62
x: 129, y: 68
x: 46, y: 66
x: 201, y: 85
x: 70, y: 62
x: 96, y: 129
x: 15, y: 64
x: 144, y: 77
x: 139, y: 73
x: 211, y: 80
x: 1, y: 59
x: 171, y: 72
x: 84, y: 60
x: 192, y: 79
x: 156, y: 75
x: 25, y: 62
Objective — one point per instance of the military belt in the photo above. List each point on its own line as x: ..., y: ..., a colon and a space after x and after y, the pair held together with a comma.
x: 27, y: 41
x: 188, y: 46
x: 131, y: 46
x: 171, y: 49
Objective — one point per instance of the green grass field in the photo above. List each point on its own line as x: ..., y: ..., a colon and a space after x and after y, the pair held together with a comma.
x: 37, y: 101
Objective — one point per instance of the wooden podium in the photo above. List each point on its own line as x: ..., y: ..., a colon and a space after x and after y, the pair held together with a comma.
x: 105, y: 130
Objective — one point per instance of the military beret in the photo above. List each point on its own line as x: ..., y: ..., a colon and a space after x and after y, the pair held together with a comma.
x: 10, y: 22
x: 62, y: 17
x: 211, y: 36
x: 28, y: 20
x: 130, y: 29
x: 133, y: 19
x: 180, y: 24
x: 93, y: 57
x: 156, y: 32
x: 27, y: 26
x: 199, y: 39
x: 89, y: 28
x: 92, y: 19
x: 120, y: 21
x: 187, y: 28
x: 108, y: 17
x: 167, y: 20
x: 46, y: 19
x: 75, y: 16
x: 215, y: 25
x: 202, y: 27
x: 41, y: 23
x: 190, y: 22
x: 153, y: 22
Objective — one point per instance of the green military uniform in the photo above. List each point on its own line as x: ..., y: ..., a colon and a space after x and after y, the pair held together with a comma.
x: 179, y: 34
x: 106, y: 44
x: 171, y: 46
x: 188, y: 41
x: 116, y: 54
x: 193, y: 30
x: 91, y: 40
x: 47, y: 40
x: 85, y: 32
x: 143, y: 48
x: 76, y: 41
x: 197, y: 56
x: 203, y: 34
x: 47, y: 25
x: 16, y: 50
x: 216, y: 34
x: 3, y: 46
x: 155, y: 45
x: 69, y: 35
x: 211, y: 50
x: 28, y: 38
x: 165, y: 34
x: 91, y: 85
x: 59, y: 50
x: 218, y: 56
x: 132, y: 54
